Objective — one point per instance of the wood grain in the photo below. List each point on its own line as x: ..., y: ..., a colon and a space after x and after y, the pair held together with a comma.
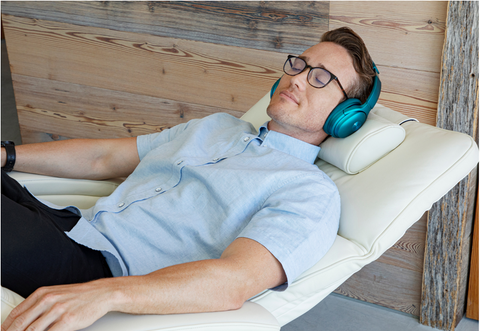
x: 194, y: 72
x: 398, y: 33
x: 285, y: 26
x: 61, y: 108
x: 373, y: 282
x: 449, y: 225
x: 407, y: 253
x: 410, y: 92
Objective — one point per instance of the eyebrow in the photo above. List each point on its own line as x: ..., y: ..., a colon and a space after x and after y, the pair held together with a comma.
x: 306, y: 58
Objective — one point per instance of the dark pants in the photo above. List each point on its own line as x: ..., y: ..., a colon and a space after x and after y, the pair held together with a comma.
x: 35, y: 250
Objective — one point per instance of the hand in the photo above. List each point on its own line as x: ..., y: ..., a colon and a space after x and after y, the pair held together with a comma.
x: 64, y: 307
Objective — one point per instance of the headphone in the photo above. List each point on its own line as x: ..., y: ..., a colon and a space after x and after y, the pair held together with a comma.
x: 351, y: 114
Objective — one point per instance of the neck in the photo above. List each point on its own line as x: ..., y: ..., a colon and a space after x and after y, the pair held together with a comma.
x: 314, y: 138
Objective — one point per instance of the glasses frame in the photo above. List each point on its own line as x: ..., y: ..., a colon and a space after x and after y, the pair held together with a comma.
x: 332, y: 76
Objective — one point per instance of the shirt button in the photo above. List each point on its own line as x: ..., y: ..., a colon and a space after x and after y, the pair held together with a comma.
x: 179, y: 162
x: 216, y: 159
x: 158, y: 189
x: 246, y: 139
x: 121, y: 204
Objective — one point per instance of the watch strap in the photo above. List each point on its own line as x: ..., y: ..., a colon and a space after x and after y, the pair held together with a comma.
x: 11, y: 156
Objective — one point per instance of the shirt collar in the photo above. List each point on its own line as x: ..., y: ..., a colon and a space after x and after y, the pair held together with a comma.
x: 287, y: 144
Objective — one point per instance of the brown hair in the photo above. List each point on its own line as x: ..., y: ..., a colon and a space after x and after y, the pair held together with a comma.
x: 362, y: 62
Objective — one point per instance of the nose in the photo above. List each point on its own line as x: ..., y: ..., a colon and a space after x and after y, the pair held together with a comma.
x: 300, y: 80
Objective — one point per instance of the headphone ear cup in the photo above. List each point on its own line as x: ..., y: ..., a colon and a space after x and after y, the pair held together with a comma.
x: 345, y: 119
x: 350, y: 115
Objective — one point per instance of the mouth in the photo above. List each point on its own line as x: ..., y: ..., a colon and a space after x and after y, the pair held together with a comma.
x: 289, y: 96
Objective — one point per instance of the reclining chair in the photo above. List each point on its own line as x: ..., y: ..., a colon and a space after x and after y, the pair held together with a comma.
x: 388, y: 173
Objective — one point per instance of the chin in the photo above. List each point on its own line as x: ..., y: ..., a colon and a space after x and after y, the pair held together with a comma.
x: 279, y: 108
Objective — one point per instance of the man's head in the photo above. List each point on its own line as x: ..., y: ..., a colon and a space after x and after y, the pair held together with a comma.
x: 299, y: 108
x: 362, y: 62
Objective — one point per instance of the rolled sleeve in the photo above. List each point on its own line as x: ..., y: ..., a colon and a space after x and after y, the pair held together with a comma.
x: 298, y: 223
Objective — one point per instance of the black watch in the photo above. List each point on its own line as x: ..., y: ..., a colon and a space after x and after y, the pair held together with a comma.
x: 10, y: 150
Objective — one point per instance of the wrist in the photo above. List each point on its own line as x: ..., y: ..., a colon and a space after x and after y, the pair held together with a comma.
x: 114, y: 293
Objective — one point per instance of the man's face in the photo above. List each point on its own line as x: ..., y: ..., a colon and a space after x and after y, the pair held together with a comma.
x: 300, y: 110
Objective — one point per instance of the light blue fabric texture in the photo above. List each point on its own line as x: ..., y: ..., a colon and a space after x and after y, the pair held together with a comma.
x: 201, y: 185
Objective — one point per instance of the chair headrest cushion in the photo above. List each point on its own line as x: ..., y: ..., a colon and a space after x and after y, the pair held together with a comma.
x: 355, y: 153
x: 380, y: 134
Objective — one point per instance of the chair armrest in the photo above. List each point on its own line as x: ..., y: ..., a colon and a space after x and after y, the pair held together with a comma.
x: 82, y: 193
x: 251, y: 317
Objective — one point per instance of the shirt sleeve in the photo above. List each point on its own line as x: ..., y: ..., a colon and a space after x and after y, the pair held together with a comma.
x: 148, y: 142
x: 298, y: 223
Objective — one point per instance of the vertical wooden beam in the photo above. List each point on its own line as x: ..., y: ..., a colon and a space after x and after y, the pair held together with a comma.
x: 449, y: 225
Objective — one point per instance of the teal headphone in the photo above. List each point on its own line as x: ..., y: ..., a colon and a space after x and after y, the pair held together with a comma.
x: 350, y: 114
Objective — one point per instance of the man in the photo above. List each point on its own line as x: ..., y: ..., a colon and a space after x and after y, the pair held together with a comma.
x: 211, y: 214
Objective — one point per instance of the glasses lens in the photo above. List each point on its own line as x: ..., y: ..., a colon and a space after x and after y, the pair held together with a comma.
x: 319, y: 77
x: 294, y: 65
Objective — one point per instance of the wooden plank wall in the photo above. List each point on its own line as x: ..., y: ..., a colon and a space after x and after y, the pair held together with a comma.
x: 119, y: 69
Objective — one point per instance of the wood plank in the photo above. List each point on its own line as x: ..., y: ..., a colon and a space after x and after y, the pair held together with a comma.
x: 407, y: 253
x: 374, y: 282
x: 34, y: 136
x: 160, y: 67
x: 472, y: 299
x: 394, y: 280
x: 79, y: 111
x: 449, y: 225
x: 285, y: 26
x: 418, y: 98
x: 417, y: 29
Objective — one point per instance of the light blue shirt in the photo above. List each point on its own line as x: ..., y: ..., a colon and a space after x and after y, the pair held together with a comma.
x: 201, y: 185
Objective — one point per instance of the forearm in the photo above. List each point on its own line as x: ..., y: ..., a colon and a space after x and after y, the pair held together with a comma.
x: 75, y: 158
x: 192, y: 287
x: 245, y: 269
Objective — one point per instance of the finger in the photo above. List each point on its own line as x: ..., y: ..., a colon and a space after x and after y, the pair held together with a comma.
x: 17, y: 314
x: 28, y: 311
x: 46, y: 320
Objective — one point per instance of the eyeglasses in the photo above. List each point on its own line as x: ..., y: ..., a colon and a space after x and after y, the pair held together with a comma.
x: 317, y: 77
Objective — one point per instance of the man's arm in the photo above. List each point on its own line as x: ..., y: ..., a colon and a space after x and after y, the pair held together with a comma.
x: 78, y: 158
x: 245, y: 269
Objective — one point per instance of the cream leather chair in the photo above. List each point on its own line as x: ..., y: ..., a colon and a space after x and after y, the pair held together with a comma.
x: 388, y: 175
